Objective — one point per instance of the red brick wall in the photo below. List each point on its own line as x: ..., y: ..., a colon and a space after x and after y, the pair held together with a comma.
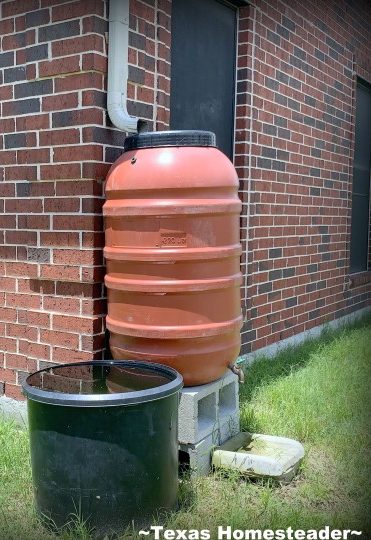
x: 56, y: 146
x: 297, y: 69
x: 295, y: 118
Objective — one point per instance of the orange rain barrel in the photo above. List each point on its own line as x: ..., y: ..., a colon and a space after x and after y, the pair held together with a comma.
x: 173, y: 254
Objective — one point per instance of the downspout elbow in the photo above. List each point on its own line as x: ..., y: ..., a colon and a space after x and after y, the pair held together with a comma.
x: 118, y: 49
x: 119, y: 115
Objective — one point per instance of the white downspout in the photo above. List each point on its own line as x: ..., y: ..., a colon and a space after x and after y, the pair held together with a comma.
x: 118, y: 48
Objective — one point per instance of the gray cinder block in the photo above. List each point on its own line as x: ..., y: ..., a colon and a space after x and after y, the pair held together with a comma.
x: 200, y: 454
x: 208, y: 416
x: 204, y: 409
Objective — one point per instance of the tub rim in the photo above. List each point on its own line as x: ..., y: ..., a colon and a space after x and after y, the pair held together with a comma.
x: 174, y: 385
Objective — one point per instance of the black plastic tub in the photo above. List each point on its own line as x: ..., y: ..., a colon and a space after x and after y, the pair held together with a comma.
x: 104, y: 442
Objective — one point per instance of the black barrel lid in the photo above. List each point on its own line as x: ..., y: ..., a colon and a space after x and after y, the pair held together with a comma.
x: 170, y: 138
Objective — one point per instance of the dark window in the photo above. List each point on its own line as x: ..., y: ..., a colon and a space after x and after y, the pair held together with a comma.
x: 360, y: 230
x: 203, y: 56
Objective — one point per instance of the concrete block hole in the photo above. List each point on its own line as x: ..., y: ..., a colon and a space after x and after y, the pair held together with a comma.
x: 207, y: 413
x: 227, y: 400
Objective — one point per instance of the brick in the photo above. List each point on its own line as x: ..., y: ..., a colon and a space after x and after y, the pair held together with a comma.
x: 34, y: 88
x: 275, y: 252
x: 6, y: 92
x: 21, y: 331
x: 92, y: 342
x: 37, y: 18
x: 20, y: 23
x: 265, y: 287
x: 60, y: 272
x: 84, y: 43
x: 7, y: 375
x: 18, y: 6
x: 141, y: 110
x: 7, y: 125
x: 7, y: 190
x: 62, y: 305
x: 34, y: 222
x: 92, y: 205
x: 60, y: 171
x: 94, y: 98
x: 78, y: 9
x: 77, y: 81
x: 78, y: 153
x: 39, y: 318
x: 93, y: 274
x: 80, y: 324
x: 8, y: 284
x: 64, y: 339
x: 94, y: 24
x: 94, y: 62
x: 21, y: 237
x: 8, y: 314
x: 103, y: 135
x: 6, y: 26
x: 13, y: 391
x: 77, y: 117
x: 35, y: 350
x: 314, y: 314
x: 60, y: 101
x: 22, y: 300
x: 39, y: 155
x: 59, y: 31
x: 59, y: 239
x: 15, y: 74
x: 38, y: 52
x: 61, y: 204
x: 71, y: 222
x: 20, y: 269
x: 18, y: 41
x: 112, y: 154
x: 6, y: 59
x: 19, y: 140
x: 312, y: 268
x: 79, y: 289
x: 92, y: 306
x: 24, y: 106
x: 59, y: 66
x: 41, y: 189
x: 97, y: 171
x: 77, y: 257
x: 19, y: 361
x: 23, y: 205
x: 290, y: 302
x: 7, y: 252
x: 60, y: 136
x: 137, y: 41
x: 93, y: 239
x: 8, y: 158
x: 34, y: 122
x: 136, y: 75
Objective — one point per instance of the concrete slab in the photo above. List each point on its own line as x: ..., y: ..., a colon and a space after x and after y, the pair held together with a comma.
x: 260, y: 456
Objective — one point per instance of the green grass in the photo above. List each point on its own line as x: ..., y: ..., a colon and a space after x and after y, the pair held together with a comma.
x: 316, y: 392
